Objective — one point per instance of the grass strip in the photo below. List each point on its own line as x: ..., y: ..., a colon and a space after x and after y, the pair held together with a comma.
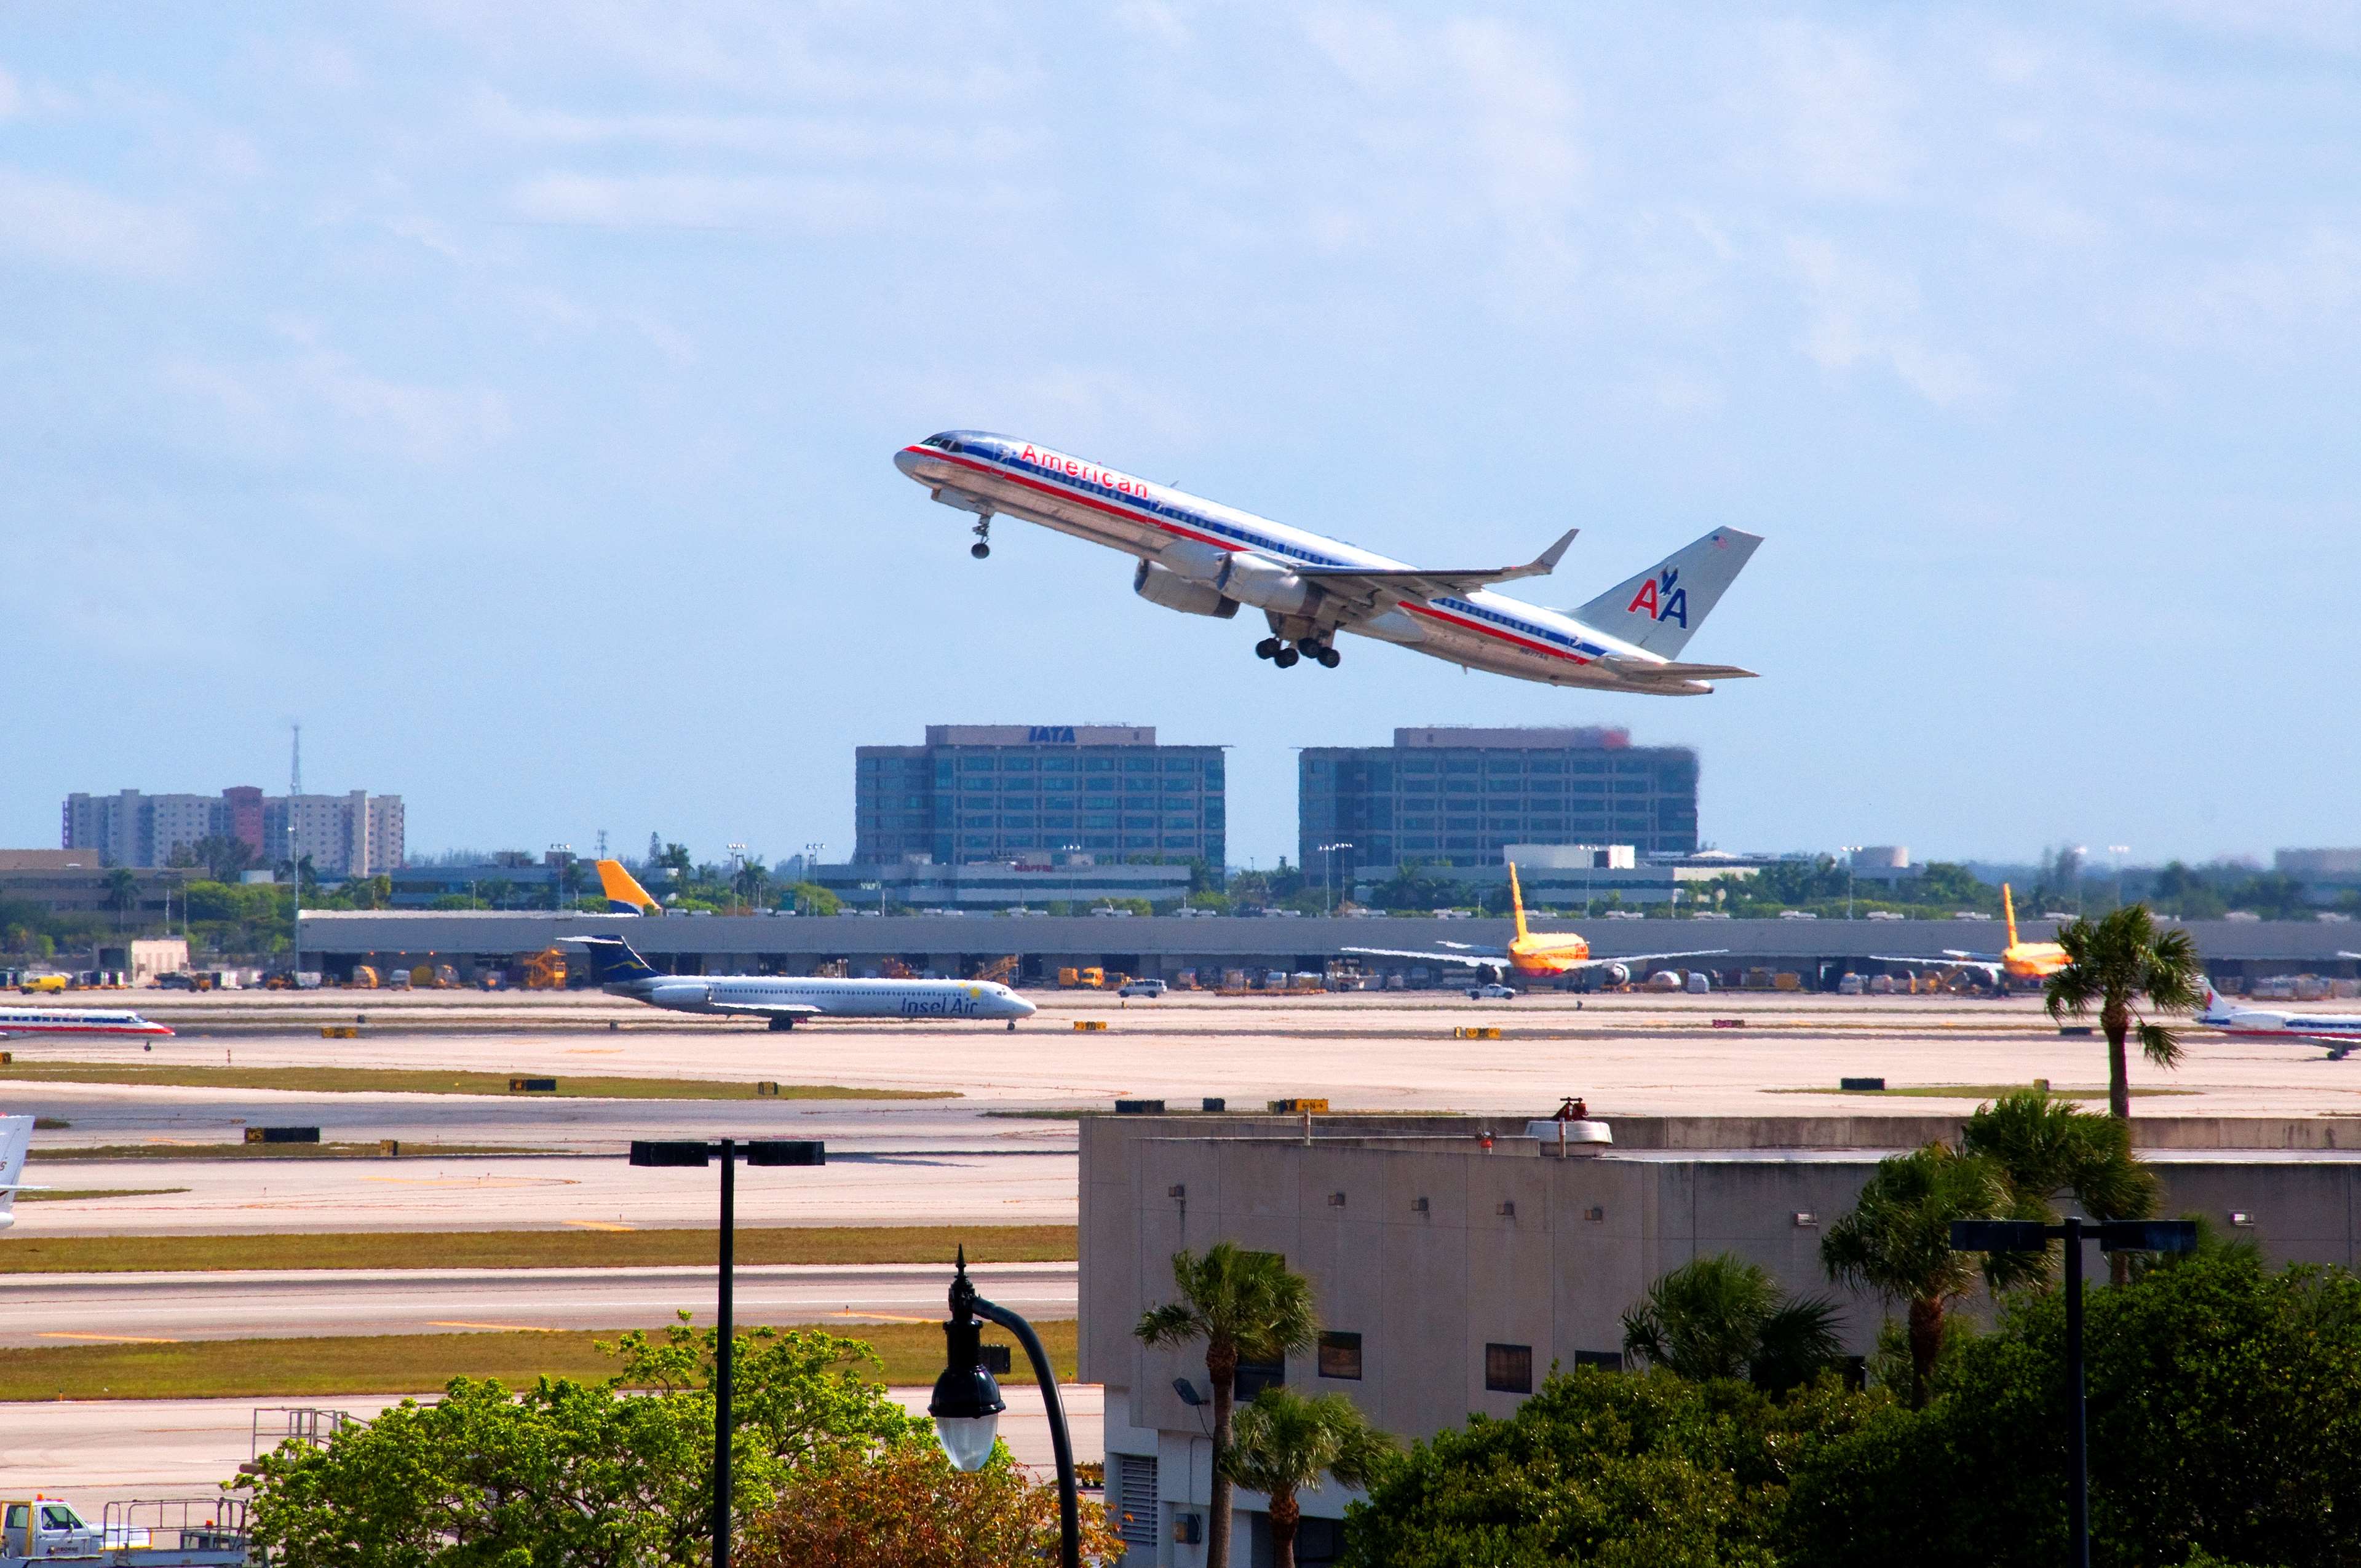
x: 430, y: 1080
x: 1978, y: 1091
x: 534, y: 1249
x: 413, y: 1364
x: 171, y: 1150
x: 68, y: 1194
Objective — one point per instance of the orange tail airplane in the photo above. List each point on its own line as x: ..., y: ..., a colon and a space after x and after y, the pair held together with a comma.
x: 2018, y: 961
x: 1532, y: 956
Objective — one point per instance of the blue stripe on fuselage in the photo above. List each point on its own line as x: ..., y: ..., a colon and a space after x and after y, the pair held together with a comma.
x: 1248, y: 538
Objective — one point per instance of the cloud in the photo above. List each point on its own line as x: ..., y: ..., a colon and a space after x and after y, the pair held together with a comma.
x: 1864, y: 314
x: 281, y: 408
x: 1841, y: 105
x: 792, y: 138
x: 72, y: 226
x: 12, y: 97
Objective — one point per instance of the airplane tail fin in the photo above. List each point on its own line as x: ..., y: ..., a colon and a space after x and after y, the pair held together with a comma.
x: 1661, y: 607
x: 15, y: 1137
x: 1517, y: 900
x: 621, y: 887
x: 611, y: 959
x: 2008, y: 912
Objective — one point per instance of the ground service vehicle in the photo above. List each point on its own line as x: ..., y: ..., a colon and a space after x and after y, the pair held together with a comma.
x: 1147, y: 987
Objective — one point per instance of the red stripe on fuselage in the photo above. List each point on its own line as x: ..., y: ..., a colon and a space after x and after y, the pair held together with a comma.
x: 1167, y: 526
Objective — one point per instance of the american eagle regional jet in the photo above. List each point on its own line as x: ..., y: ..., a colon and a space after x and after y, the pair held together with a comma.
x: 1202, y: 558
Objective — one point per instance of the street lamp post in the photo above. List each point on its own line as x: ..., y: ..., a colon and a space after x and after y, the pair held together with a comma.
x: 967, y: 1402
x: 1330, y: 850
x: 2113, y: 1235
x: 667, y: 1154
x: 1852, y: 854
x: 2119, y: 852
x: 561, y: 859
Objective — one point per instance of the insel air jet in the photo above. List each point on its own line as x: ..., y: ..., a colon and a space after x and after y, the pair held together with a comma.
x: 785, y: 999
x: 1203, y: 558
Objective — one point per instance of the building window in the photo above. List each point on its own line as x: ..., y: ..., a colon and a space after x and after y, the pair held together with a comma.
x: 1134, y: 1499
x: 1508, y: 1368
x: 1253, y: 1377
x: 1605, y: 1360
x: 1318, y: 1540
x: 1340, y: 1355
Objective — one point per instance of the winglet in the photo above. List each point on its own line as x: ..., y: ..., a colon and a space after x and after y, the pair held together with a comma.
x: 1542, y: 565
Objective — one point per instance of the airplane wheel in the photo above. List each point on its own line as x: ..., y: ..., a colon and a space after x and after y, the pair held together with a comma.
x: 979, y: 550
x: 1286, y: 658
x: 1329, y: 658
x: 1266, y: 649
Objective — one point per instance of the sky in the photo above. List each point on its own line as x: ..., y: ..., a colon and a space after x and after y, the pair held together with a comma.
x: 508, y: 394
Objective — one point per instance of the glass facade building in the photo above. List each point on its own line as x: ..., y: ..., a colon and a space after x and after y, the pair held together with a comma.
x: 1000, y: 792
x: 1458, y: 796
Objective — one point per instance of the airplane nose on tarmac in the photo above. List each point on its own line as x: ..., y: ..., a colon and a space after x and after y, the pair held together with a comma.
x: 1024, y: 1008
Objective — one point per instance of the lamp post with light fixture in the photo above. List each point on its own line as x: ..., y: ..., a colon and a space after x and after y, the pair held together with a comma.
x: 696, y: 1152
x: 967, y: 1402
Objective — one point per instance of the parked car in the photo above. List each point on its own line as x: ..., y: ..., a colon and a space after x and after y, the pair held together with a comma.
x: 1147, y: 987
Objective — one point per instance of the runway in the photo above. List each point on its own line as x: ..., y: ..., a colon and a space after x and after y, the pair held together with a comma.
x: 92, y: 1451
x: 68, y: 1309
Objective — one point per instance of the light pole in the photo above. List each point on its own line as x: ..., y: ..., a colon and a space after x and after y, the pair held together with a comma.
x: 811, y: 862
x: 2114, y: 1235
x: 664, y: 1153
x: 2119, y: 852
x: 561, y: 856
x: 1850, y: 853
x: 967, y: 1402
x: 1073, y: 887
x: 2079, y: 850
x: 1330, y: 850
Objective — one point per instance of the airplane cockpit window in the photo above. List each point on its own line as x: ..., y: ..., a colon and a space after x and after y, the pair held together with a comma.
x: 946, y: 441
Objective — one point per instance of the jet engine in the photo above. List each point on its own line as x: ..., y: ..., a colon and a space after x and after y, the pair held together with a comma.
x: 1616, y: 974
x: 1157, y: 584
x: 1234, y: 574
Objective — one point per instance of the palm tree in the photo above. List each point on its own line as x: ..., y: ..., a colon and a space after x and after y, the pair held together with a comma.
x: 2045, y: 1146
x: 1285, y: 1443
x: 1724, y: 1317
x: 1897, y: 1242
x: 122, y: 894
x: 2113, y: 961
x: 1242, y: 1305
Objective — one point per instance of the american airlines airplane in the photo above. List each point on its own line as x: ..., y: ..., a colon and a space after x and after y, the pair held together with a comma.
x: 2340, y: 1032
x: 784, y: 1000
x: 73, y: 1021
x: 1203, y: 558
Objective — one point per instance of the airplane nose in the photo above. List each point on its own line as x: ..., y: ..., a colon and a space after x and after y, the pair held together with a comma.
x: 907, y: 461
x: 1024, y: 1008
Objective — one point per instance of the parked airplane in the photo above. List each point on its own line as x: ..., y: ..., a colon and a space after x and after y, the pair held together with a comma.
x: 73, y: 1021
x: 2340, y: 1032
x: 1535, y: 956
x: 2018, y: 961
x: 1203, y: 558
x: 784, y: 1000
x: 15, y: 1137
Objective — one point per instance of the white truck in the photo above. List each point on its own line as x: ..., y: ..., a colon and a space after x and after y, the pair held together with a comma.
x: 178, y: 1532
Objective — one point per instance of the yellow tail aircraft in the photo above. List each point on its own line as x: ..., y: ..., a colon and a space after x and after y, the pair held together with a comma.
x: 2018, y: 961
x: 623, y: 888
x: 1536, y: 957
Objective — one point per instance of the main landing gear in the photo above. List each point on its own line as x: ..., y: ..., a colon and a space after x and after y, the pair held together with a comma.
x: 982, y: 532
x: 1286, y: 657
x: 782, y: 1024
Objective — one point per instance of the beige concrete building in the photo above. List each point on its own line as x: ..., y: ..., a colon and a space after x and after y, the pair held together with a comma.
x: 1455, y: 1261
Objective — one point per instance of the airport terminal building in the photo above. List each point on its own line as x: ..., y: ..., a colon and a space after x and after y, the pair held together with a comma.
x: 978, y: 792
x: 1459, y: 796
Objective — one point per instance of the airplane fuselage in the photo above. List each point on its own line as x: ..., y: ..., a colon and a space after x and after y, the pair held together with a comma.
x: 2340, y: 1032
x: 733, y: 996
x: 1191, y: 539
x: 24, y: 1020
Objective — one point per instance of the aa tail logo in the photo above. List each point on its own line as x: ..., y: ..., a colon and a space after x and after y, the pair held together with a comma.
x: 1662, y: 598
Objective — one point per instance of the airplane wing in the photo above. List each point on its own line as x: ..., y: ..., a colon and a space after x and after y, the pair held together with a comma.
x: 1375, y: 590
x: 1646, y: 958
x: 1479, y: 958
x: 768, y: 1009
x: 1950, y: 959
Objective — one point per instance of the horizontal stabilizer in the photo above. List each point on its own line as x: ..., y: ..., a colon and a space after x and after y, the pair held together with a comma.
x: 1645, y: 670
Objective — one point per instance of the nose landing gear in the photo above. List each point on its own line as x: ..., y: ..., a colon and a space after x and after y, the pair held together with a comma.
x: 982, y: 532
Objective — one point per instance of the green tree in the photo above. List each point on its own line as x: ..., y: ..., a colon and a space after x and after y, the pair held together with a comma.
x: 616, y: 1474
x: 2114, y: 963
x: 2224, y: 1400
x: 1722, y: 1317
x: 1604, y: 1468
x: 1283, y: 1443
x: 1244, y: 1305
x: 2044, y: 1146
x: 811, y: 898
x: 225, y: 857
x: 1897, y: 1242
x: 122, y: 894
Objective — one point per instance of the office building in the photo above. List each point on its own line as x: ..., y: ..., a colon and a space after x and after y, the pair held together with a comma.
x: 1460, y: 796
x: 978, y: 792
x: 355, y: 834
